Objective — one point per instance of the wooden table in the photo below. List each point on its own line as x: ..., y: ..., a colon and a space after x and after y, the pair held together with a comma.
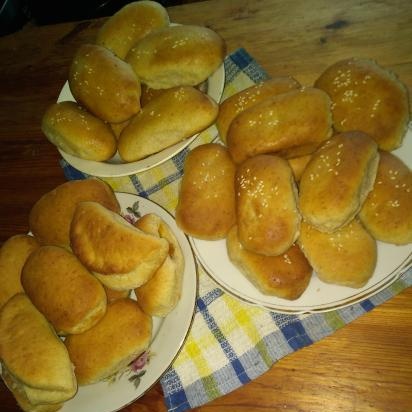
x: 366, y: 366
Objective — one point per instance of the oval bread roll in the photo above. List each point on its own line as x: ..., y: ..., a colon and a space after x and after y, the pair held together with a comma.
x: 387, y: 211
x: 13, y: 255
x: 337, y: 180
x: 77, y: 132
x: 120, y: 337
x: 165, y: 121
x: 206, y: 206
x: 285, y: 276
x: 291, y: 124
x: 240, y: 101
x: 346, y: 257
x: 160, y: 294
x: 51, y: 216
x: 120, y: 255
x: 266, y: 205
x: 104, y: 84
x: 131, y: 23
x: 368, y: 98
x: 61, y: 288
x: 177, y: 56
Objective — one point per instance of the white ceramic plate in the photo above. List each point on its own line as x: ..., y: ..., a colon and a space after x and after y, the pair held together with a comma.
x: 169, y: 333
x: 319, y: 296
x: 115, y: 166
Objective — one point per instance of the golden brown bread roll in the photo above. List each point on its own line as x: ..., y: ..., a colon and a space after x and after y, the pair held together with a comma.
x: 298, y: 165
x: 77, y: 132
x: 208, y: 182
x: 244, y: 99
x: 113, y: 295
x: 337, y: 180
x: 148, y: 94
x: 120, y: 255
x: 36, y: 360
x: 266, y: 205
x: 104, y: 84
x: 291, y: 124
x: 51, y: 216
x: 165, y: 121
x: 63, y: 290
x: 346, y: 257
x: 121, y: 336
x: 285, y: 276
x: 131, y: 23
x: 387, y: 211
x: 176, y: 56
x: 13, y: 255
x: 161, y: 293
x: 117, y: 128
x: 368, y: 98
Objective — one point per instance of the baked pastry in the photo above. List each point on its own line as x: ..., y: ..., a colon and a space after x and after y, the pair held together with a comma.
x: 120, y: 255
x: 248, y: 97
x: 161, y: 293
x: 285, y: 276
x: 51, y: 216
x: 34, y: 360
x: 104, y: 84
x: 368, y: 98
x: 113, y: 295
x: 298, y: 165
x: 63, y: 290
x: 290, y: 124
x: 346, y: 257
x: 337, y: 180
x: 266, y: 205
x: 206, y: 205
x: 164, y: 121
x: 77, y: 132
x: 121, y: 336
x: 181, y: 55
x: 387, y: 211
x: 13, y: 255
x: 131, y: 23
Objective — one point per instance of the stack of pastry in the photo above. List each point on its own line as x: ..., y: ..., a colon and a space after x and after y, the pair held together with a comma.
x: 83, y: 277
x: 304, y: 178
x: 134, y: 86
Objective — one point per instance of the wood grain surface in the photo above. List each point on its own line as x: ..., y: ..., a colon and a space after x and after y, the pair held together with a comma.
x: 364, y: 367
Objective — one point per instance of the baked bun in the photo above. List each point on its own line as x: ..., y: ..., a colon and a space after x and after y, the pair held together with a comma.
x: 267, y: 215
x: 337, y: 180
x: 77, y: 132
x: 206, y: 205
x: 387, y: 211
x: 35, y: 359
x: 177, y: 56
x: 148, y: 94
x: 285, y: 276
x: 61, y: 288
x: 160, y: 294
x: 113, y: 295
x: 298, y: 165
x: 248, y: 97
x: 104, y: 84
x: 121, y: 336
x: 120, y: 255
x: 291, y: 124
x: 13, y: 255
x: 164, y: 121
x: 346, y: 257
x: 131, y: 23
x: 368, y: 98
x: 51, y: 216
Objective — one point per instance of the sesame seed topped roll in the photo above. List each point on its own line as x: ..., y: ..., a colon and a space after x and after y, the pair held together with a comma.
x: 206, y: 207
x: 368, y: 98
x: 266, y: 196
x: 337, y: 180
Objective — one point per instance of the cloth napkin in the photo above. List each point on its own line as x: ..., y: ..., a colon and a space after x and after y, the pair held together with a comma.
x: 230, y: 342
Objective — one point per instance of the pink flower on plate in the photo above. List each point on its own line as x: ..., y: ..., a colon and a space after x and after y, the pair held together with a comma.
x: 140, y: 362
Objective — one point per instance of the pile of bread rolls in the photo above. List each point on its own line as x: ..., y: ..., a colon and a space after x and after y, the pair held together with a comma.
x: 85, y: 276
x: 135, y: 85
x: 305, y: 179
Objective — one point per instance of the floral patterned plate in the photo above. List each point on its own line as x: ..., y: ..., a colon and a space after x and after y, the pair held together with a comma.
x: 169, y: 333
